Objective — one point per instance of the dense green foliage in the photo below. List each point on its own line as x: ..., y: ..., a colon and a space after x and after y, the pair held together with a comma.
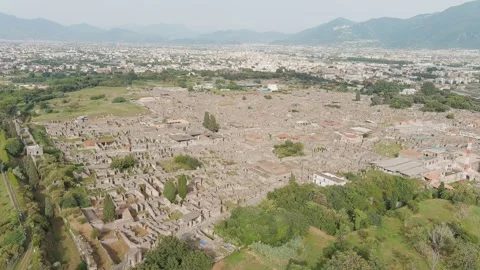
x: 274, y: 227
x: 49, y: 208
x: 14, y: 147
x: 182, y: 186
x: 210, y: 123
x: 288, y: 149
x: 32, y: 173
x: 119, y: 100
x: 433, y: 99
x: 173, y: 254
x: 97, y: 97
x: 108, y: 209
x: 190, y: 163
x: 123, y: 163
x: 170, y: 191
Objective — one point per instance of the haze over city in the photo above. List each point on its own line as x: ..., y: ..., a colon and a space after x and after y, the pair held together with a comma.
x: 266, y: 15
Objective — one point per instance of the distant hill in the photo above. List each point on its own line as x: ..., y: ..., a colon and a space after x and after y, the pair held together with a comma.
x: 456, y: 27
x: 240, y: 36
x: 163, y: 30
x: 13, y: 28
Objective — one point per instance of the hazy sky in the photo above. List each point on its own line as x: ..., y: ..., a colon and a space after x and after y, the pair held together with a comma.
x: 263, y: 15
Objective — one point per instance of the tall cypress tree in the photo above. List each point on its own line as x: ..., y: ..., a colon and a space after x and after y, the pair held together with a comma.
x: 182, y: 186
x: 206, y: 120
x: 108, y: 209
x: 32, y: 173
x: 49, y: 211
x: 170, y: 191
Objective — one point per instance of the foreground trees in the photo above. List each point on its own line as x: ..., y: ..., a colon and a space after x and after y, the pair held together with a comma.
x: 173, y: 254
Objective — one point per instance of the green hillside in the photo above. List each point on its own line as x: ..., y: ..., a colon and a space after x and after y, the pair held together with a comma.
x: 377, y: 221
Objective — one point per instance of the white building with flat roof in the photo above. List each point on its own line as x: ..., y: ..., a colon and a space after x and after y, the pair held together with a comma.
x: 328, y: 179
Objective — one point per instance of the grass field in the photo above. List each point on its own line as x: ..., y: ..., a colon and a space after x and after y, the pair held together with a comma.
x: 388, y: 149
x: 78, y: 103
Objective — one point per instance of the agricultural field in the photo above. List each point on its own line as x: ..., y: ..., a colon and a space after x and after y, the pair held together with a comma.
x: 97, y: 101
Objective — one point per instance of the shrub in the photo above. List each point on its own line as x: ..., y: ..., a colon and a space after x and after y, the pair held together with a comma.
x: 119, y: 100
x: 191, y: 163
x: 123, y: 163
x: 288, y: 149
x: 97, y: 97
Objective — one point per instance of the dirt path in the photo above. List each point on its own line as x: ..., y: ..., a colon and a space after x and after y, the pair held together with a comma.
x: 25, y: 262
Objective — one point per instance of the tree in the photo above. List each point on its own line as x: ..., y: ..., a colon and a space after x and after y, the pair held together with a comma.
x: 466, y: 256
x: 108, y: 209
x: 182, y: 186
x: 49, y: 208
x: 441, y: 239
x: 429, y: 89
x: 347, y: 260
x: 360, y: 219
x: 210, y: 123
x: 173, y: 254
x: 14, y: 147
x: 441, y: 189
x: 206, y: 120
x: 32, y: 173
x: 357, y: 96
x: 124, y: 163
x: 170, y: 191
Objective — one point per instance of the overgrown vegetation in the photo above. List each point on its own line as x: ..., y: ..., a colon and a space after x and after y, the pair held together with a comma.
x: 173, y: 254
x: 123, y: 163
x: 288, y: 149
x: 433, y: 99
x: 379, y: 221
x: 210, y: 123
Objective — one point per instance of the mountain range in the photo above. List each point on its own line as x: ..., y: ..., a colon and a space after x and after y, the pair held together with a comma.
x: 456, y: 27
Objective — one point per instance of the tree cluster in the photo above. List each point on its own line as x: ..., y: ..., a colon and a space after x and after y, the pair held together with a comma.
x: 210, y: 123
x: 189, y: 162
x: 123, y: 163
x: 173, y: 254
x: 288, y: 149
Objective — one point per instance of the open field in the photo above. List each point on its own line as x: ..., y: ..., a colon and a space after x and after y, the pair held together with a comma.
x: 79, y: 103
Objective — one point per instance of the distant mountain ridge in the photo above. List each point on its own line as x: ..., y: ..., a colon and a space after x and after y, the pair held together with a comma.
x: 456, y: 27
